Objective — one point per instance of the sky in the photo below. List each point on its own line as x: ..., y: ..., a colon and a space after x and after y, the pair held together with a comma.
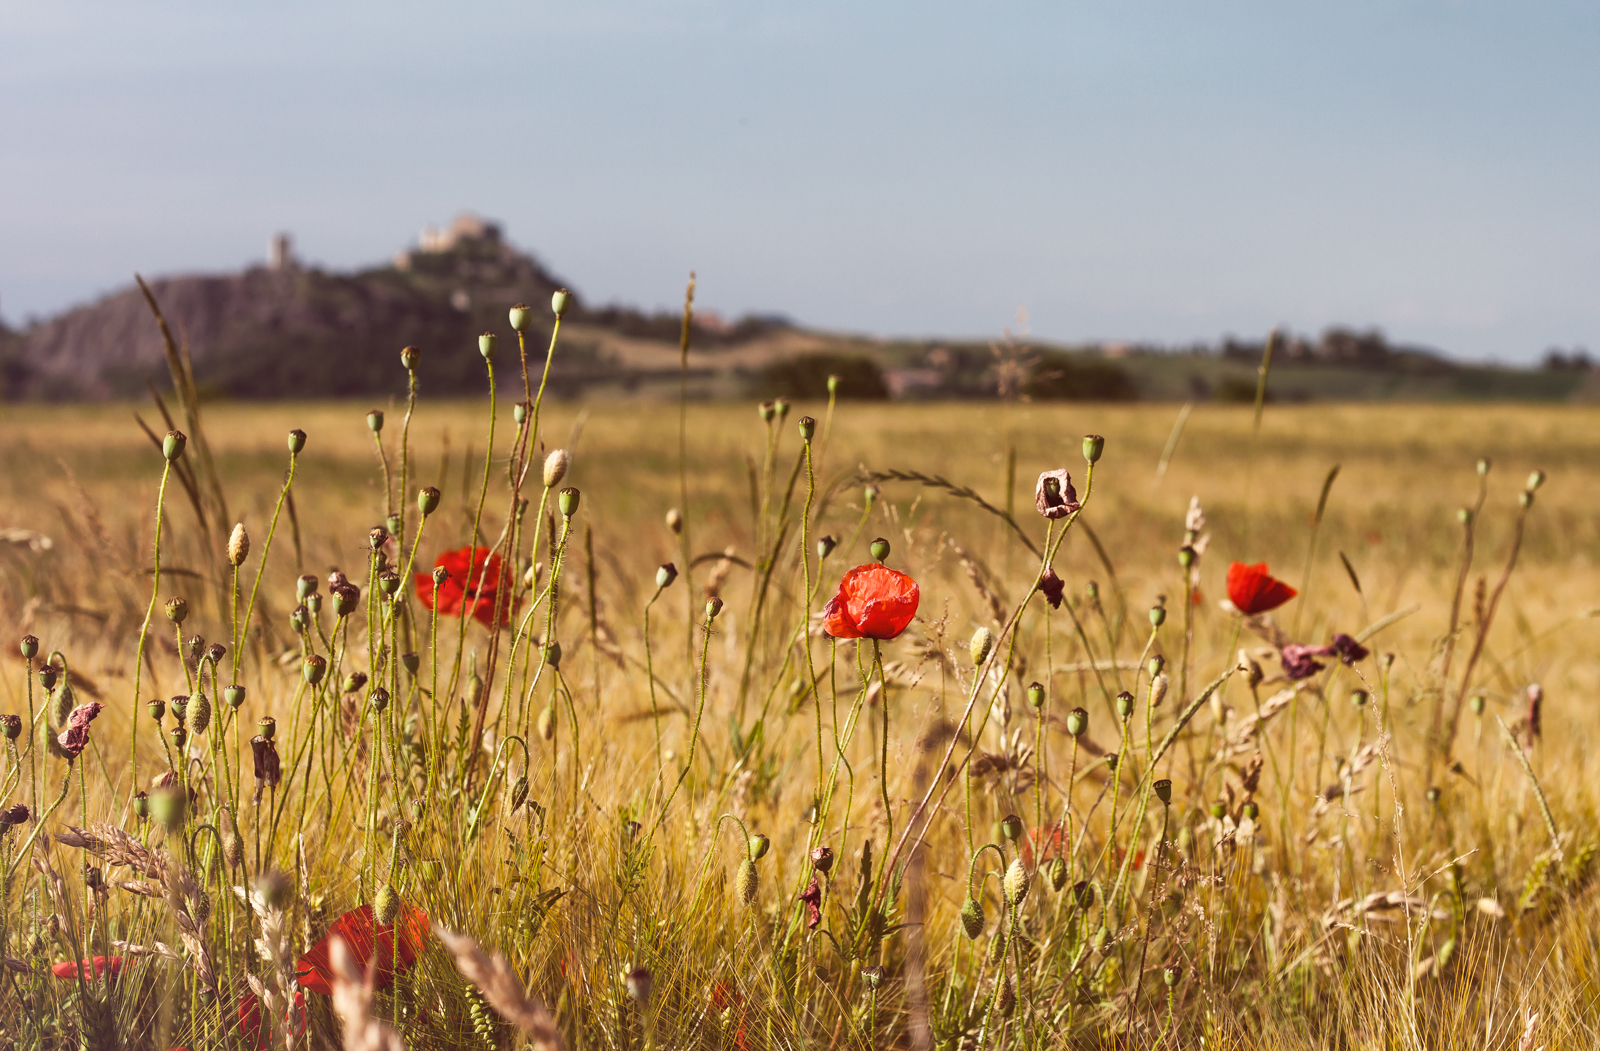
x: 1150, y: 170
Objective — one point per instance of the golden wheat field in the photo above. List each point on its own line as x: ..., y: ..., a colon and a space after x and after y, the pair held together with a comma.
x: 674, y: 810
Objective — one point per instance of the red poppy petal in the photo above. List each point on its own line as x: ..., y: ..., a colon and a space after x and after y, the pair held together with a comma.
x: 836, y: 618
x: 1252, y: 589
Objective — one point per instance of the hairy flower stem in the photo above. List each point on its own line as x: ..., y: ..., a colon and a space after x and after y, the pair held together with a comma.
x: 144, y: 630
x: 38, y: 826
x: 261, y: 567
x: 694, y: 731
x: 469, y: 599
x: 650, y: 674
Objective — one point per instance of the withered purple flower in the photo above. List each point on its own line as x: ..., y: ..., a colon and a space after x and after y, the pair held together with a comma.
x: 1054, y: 495
x: 75, y: 738
x: 1051, y: 586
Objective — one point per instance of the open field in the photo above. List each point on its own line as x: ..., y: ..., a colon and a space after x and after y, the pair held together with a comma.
x: 1327, y: 874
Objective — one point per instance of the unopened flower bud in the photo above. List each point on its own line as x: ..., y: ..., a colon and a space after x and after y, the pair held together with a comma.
x: 172, y: 445
x: 1158, y: 690
x: 386, y: 905
x: 519, y: 412
x: 519, y: 792
x: 567, y: 501
x: 1083, y: 895
x: 825, y: 546
x: 552, y: 654
x: 521, y: 317
x: 759, y: 845
x: 747, y: 882
x: 666, y: 573
x: 486, y: 346
x: 555, y: 468
x: 560, y: 302
x: 1057, y: 874
x: 199, y: 713
x: 1093, y: 446
x: 297, y: 441
x: 879, y: 549
x: 1015, y: 883
x: 972, y: 918
x: 978, y: 649
x: 675, y: 521
x: 238, y: 545
x: 547, y: 723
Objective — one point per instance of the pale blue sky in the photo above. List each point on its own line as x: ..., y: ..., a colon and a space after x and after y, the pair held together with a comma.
x: 1172, y: 171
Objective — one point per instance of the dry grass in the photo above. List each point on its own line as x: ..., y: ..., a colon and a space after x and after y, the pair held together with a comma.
x: 1320, y: 924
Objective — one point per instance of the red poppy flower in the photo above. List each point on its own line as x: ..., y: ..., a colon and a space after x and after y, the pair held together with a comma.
x: 102, y: 964
x: 369, y: 942
x: 1253, y: 590
x: 874, y: 602
x: 1051, y: 840
x: 476, y: 578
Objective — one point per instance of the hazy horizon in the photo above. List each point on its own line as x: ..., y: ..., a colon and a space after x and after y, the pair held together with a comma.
x: 1151, y: 173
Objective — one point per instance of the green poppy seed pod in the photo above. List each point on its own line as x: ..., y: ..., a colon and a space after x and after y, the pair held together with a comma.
x: 747, y: 882
x: 869, y: 495
x: 1476, y: 703
x: 780, y: 408
x: 1158, y: 616
x: 141, y: 805
x: 306, y: 586
x: 297, y: 441
x: 157, y: 709
x: 238, y: 545
x: 314, y: 668
x: 567, y: 501
x: 1252, y: 810
x: 1535, y: 480
x: 1464, y: 515
x: 1093, y: 589
x: 666, y: 573
x: 519, y: 792
x: 1525, y: 499
x: 1171, y: 976
x: 487, y: 344
x: 180, y: 707
x: 1124, y: 704
x: 199, y: 713
x: 168, y: 806
x: 1036, y: 695
x: 1155, y: 664
x: 300, y: 618
x: 10, y: 726
x: 1359, y: 698
x: 346, y: 600
x: 409, y: 356
x: 389, y: 583
x: 386, y: 906
x: 767, y: 410
x: 713, y: 607
x: 1011, y: 827
x: 313, y: 605
x: 30, y: 647
x: 172, y: 445
x: 234, y: 695
x: 519, y: 412
x: 1057, y: 874
x: 833, y: 383
x: 1484, y: 464
x: 1163, y: 789
x: 972, y: 918
x: 380, y: 699
x: 879, y: 549
x: 1158, y: 690
x: 1093, y: 446
x: 410, y: 662
x: 375, y: 420
x: 674, y: 521
x: 177, y: 610
x: 560, y: 302
x: 555, y: 467
x: 808, y: 428
x: 825, y: 546
x: 872, y: 976
x: 822, y: 859
x: 1083, y: 895
x: 759, y: 845
x: 521, y: 316
x: 47, y: 676
x: 180, y: 737
x: 638, y: 982
x: 1186, y: 556
x: 1433, y: 794
x: 61, y: 704
x: 978, y: 649
x: 1077, y: 722
x: 1218, y: 810
x: 1015, y: 884
x: 267, y: 727
x: 552, y: 654
x: 547, y: 723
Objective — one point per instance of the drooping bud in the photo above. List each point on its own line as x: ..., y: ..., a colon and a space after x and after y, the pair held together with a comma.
x: 486, y: 346
x: 972, y: 918
x: 172, y: 445
x: 177, y: 610
x: 199, y: 713
x: 879, y: 549
x: 1158, y: 690
x: 567, y: 501
x: 825, y: 546
x: 61, y: 704
x: 1077, y: 722
x: 747, y: 882
x: 547, y: 723
x: 978, y: 649
x: 666, y: 573
x: 675, y: 521
x: 1093, y: 446
x: 1006, y: 1001
x: 519, y: 792
x: 1015, y: 883
x: 555, y: 467
x: 1083, y: 895
x: 386, y: 905
x: 297, y: 441
x: 552, y: 654
x: 560, y: 302
x: 1058, y: 874
x: 410, y: 662
x: 521, y: 317
x: 759, y: 845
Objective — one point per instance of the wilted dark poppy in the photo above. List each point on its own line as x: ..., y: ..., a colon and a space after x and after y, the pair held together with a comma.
x: 1298, y: 662
x: 476, y: 578
x: 100, y: 965
x: 75, y: 738
x: 1054, y: 496
x: 369, y: 942
x: 812, y: 896
x: 1051, y: 586
x: 1253, y: 590
x: 1348, y: 649
x: 874, y: 602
